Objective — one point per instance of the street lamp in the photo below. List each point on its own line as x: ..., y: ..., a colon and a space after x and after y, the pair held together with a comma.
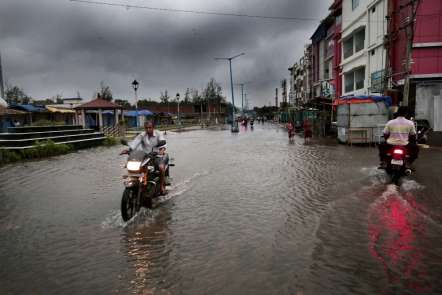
x: 178, y: 100
x: 234, y: 123
x: 135, y: 85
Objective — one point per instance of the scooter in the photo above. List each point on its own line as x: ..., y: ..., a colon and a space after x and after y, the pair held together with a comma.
x: 142, y: 182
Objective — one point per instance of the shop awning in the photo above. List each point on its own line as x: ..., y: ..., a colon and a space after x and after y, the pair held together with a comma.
x: 59, y: 110
x: 362, y: 99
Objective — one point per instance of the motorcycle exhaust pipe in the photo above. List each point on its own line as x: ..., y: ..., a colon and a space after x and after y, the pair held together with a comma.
x: 408, y: 172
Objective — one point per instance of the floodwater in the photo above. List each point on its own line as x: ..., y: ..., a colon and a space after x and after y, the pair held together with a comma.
x: 248, y: 213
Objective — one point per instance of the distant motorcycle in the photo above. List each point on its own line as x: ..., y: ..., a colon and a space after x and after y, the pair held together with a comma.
x: 142, y: 182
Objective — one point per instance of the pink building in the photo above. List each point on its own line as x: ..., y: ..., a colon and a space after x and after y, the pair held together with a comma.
x: 426, y: 67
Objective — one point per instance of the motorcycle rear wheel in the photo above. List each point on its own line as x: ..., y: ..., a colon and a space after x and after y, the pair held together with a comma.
x: 395, y: 177
x: 129, y: 206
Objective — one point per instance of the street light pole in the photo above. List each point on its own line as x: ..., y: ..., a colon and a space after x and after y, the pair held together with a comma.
x: 178, y: 100
x: 234, y: 123
x: 135, y: 85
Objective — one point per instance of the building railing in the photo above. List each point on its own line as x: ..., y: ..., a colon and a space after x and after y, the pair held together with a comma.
x: 114, y: 131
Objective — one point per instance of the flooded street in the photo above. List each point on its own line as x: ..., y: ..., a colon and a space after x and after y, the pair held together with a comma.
x: 249, y: 213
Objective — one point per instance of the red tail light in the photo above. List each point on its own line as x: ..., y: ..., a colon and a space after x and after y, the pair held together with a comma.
x: 398, y: 152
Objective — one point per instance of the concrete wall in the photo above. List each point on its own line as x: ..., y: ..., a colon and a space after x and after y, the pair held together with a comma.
x: 429, y: 105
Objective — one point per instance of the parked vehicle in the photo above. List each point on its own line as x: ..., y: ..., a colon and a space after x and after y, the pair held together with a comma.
x: 423, y: 130
x: 142, y: 182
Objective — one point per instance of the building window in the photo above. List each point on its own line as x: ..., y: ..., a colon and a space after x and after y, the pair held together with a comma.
x: 359, y: 78
x: 348, y: 47
x: 373, y: 10
x: 355, y: 79
x: 349, y: 82
x: 354, y: 4
x: 359, y: 40
x: 354, y: 43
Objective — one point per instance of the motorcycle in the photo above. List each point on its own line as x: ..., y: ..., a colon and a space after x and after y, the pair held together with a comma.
x: 423, y: 131
x: 142, y: 182
x: 397, y: 163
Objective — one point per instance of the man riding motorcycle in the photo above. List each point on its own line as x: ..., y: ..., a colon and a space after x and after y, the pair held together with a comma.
x: 399, y: 132
x: 150, y: 141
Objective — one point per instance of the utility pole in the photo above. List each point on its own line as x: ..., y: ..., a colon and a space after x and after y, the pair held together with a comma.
x: 234, y: 123
x: 246, y: 101
x: 2, y: 89
x: 409, y: 31
x: 276, y: 97
x: 242, y: 97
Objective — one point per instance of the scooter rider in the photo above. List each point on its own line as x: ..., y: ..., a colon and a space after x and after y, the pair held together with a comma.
x: 150, y: 141
x: 399, y: 132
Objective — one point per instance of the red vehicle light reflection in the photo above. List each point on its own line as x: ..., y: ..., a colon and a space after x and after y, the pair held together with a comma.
x: 395, y: 229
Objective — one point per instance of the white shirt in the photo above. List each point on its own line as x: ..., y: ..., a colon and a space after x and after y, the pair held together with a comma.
x: 145, y: 143
x: 399, y: 130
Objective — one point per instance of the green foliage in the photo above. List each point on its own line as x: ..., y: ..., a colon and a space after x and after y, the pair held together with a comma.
x: 46, y: 149
x: 110, y: 141
x: 48, y: 123
x: 104, y: 92
x: 9, y: 156
x: 164, y: 97
x: 15, y: 94
x: 124, y: 103
x: 41, y: 150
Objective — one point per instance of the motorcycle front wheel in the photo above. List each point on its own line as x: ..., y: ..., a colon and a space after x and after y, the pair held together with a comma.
x: 129, y: 206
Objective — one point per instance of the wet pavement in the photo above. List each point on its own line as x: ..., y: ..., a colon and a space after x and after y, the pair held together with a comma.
x: 249, y: 213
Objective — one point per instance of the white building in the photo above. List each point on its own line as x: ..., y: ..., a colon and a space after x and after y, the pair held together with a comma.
x: 364, y: 26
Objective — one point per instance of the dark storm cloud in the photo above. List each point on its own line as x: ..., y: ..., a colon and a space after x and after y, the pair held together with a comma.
x: 57, y: 46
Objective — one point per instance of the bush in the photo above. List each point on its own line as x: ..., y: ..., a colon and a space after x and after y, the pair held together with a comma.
x: 9, y: 156
x: 110, y: 141
x: 46, y: 149
x: 48, y: 123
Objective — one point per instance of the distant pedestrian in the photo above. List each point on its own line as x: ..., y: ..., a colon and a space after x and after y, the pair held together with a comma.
x: 308, y: 133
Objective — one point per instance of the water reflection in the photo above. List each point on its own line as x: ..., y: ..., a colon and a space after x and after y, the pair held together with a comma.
x: 146, y: 241
x: 395, y: 230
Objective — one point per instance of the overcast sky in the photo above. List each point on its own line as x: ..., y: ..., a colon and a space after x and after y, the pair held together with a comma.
x: 52, y: 47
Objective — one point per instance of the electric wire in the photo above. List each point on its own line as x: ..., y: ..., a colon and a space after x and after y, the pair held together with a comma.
x: 284, y: 18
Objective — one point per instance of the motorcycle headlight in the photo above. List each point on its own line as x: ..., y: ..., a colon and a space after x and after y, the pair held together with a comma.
x: 133, y: 166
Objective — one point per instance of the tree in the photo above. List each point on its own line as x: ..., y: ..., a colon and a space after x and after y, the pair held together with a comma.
x: 144, y: 104
x: 104, y: 92
x: 187, y: 96
x: 124, y: 103
x: 196, y: 97
x: 164, y: 97
x: 16, y: 95
x: 213, y: 94
x: 43, y: 102
x: 57, y: 98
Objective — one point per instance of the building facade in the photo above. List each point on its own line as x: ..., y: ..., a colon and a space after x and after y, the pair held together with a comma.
x: 301, y: 79
x: 364, y: 26
x: 424, y: 36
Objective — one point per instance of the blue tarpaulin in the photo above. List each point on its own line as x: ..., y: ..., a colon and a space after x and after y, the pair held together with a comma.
x: 139, y: 113
x: 28, y: 108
